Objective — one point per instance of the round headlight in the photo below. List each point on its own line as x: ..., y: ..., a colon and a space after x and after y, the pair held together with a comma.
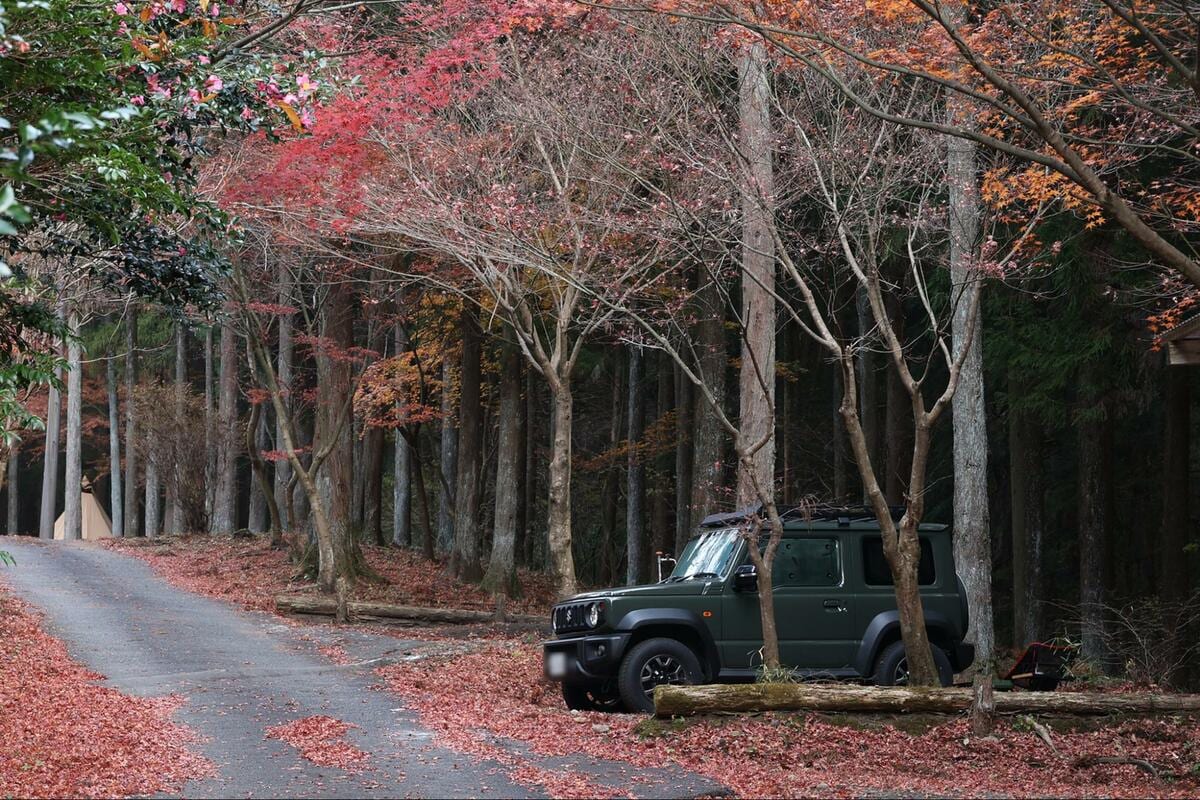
x: 593, y: 614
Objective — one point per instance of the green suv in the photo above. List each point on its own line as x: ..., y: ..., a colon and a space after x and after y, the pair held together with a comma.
x: 835, y: 613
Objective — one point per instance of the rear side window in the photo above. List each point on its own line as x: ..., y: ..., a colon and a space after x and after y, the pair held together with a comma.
x: 807, y: 562
x: 875, y: 566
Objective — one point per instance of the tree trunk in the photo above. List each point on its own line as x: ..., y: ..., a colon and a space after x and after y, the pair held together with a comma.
x: 327, y: 607
x: 559, y: 489
x: 372, y: 475
x: 464, y: 561
x: 709, y: 436
x: 402, y: 493
x: 132, y: 516
x: 402, y: 466
x: 756, y: 418
x: 661, y: 536
x: 1176, y: 484
x: 684, y: 459
x: 972, y: 537
x: 841, y: 482
x: 1093, y: 536
x: 224, y: 515
x: 418, y: 473
x: 153, y: 484
x: 635, y: 473
x: 210, y: 428
x: 260, y: 487
x: 520, y: 467
x: 898, y: 427
x: 13, y: 523
x: 606, y: 572
x: 1027, y: 491
x: 115, y: 497
x: 449, y: 459
x: 868, y: 384
x: 283, y: 467
x: 50, y: 459
x: 176, y: 519
x: 501, y: 577
x: 531, y: 430
x: 73, y: 480
x: 681, y: 701
x: 336, y: 385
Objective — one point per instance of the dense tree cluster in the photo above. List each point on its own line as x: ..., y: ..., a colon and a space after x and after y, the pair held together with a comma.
x: 544, y: 283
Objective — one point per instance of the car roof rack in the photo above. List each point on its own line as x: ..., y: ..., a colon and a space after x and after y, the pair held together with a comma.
x: 828, y: 512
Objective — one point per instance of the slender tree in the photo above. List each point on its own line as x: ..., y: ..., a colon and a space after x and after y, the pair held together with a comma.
x: 224, y: 512
x: 501, y: 576
x: 114, y: 447
x: 73, y: 482
x: 635, y: 472
x: 132, y: 516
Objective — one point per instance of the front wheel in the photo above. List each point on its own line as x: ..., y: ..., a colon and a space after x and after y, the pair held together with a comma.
x: 891, y: 668
x: 603, y: 697
x: 652, y: 663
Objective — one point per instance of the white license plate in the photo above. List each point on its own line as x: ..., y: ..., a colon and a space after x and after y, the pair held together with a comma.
x: 556, y: 665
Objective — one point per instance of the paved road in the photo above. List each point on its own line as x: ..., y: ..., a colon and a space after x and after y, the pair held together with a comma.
x: 243, y: 672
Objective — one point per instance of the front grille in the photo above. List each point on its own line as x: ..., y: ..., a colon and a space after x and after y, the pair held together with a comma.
x: 570, y: 617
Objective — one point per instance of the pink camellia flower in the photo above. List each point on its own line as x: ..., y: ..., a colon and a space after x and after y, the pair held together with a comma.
x: 306, y: 118
x: 120, y: 9
x: 179, y: 6
x: 214, y: 84
x: 247, y: 114
x: 214, y: 10
x: 305, y: 84
x: 138, y: 100
x: 194, y: 96
x: 203, y: 59
x: 291, y: 99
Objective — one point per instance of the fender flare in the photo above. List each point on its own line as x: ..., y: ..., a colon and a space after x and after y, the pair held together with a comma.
x: 676, y: 618
x: 885, y: 623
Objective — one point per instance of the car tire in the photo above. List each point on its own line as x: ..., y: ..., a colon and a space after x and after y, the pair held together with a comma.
x: 891, y: 666
x: 603, y: 697
x: 652, y: 663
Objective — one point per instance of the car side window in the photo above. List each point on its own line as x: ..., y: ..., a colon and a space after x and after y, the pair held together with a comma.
x: 807, y: 562
x: 875, y: 567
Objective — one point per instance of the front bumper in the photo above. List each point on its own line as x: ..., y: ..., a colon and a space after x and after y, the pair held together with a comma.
x: 584, y: 659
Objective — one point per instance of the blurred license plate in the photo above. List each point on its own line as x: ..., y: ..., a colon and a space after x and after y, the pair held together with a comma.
x: 556, y: 665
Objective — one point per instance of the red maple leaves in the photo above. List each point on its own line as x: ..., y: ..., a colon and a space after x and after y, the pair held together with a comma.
x: 320, y: 739
x: 62, y: 735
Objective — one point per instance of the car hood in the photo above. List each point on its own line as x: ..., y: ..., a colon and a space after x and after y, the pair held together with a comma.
x: 680, y: 588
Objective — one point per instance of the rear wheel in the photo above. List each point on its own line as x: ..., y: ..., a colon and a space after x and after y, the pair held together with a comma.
x: 601, y: 697
x: 655, y: 662
x: 891, y: 668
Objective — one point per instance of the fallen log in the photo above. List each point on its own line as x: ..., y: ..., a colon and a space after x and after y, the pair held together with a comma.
x: 683, y: 701
x: 328, y: 607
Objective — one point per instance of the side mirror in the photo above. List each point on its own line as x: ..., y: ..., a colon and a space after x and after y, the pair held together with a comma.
x: 745, y: 578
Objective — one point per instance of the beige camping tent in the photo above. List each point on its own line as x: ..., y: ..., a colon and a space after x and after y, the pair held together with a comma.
x: 95, y: 522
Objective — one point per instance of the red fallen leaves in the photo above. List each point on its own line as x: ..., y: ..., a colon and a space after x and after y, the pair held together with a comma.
x: 320, y: 740
x: 247, y: 571
x: 61, y: 735
x: 500, y: 690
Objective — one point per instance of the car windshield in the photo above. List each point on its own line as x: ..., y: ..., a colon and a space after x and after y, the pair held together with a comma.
x: 707, y: 556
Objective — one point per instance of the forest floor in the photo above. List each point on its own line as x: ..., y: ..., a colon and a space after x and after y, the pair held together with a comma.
x: 63, y: 735
x: 249, y: 572
x: 481, y: 699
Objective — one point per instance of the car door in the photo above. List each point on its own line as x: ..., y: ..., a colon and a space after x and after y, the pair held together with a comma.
x: 814, y: 615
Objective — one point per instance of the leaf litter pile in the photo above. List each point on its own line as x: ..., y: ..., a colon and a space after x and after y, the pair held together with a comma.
x: 249, y: 572
x: 321, y: 740
x: 62, y: 735
x: 499, y: 691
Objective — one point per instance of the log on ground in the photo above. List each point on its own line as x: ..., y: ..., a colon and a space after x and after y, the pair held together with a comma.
x: 682, y: 701
x: 327, y: 607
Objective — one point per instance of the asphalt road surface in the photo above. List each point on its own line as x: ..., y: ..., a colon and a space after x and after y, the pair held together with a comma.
x: 243, y: 672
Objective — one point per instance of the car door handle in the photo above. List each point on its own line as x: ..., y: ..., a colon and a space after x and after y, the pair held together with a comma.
x: 834, y: 605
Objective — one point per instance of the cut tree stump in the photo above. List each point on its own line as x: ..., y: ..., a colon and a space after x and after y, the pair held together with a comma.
x: 328, y: 606
x: 683, y: 701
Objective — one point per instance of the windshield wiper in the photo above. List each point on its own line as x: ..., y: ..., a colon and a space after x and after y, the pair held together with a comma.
x: 701, y: 575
